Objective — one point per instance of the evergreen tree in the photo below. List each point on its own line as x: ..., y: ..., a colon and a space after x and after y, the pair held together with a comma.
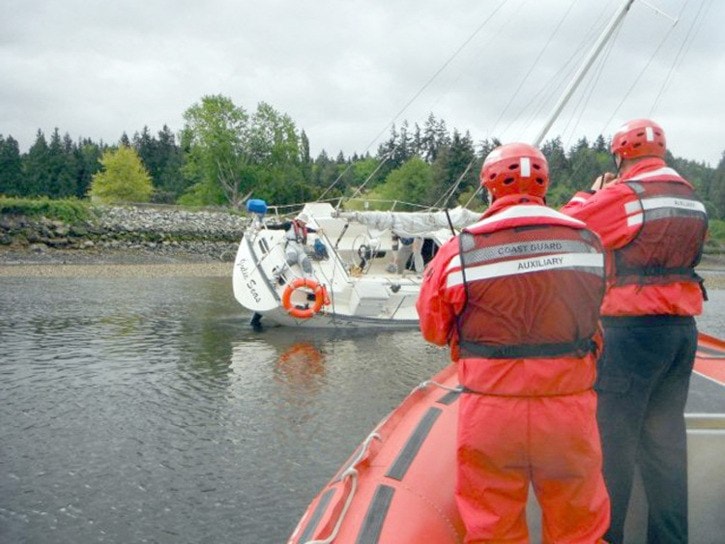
x: 487, y: 146
x: 88, y: 162
x: 11, y: 167
x: 305, y: 159
x: 560, y: 183
x: 144, y: 145
x: 163, y: 159
x: 600, y: 145
x: 404, y: 147
x: 62, y: 167
x: 169, y: 177
x: 387, y: 151
x: 36, y: 168
x: 454, y: 171
x: 584, y: 166
x: 434, y: 137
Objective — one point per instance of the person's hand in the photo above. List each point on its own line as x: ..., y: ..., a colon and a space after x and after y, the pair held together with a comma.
x: 603, y: 181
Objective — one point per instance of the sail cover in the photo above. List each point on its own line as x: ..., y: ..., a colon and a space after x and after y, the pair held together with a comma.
x: 414, y: 223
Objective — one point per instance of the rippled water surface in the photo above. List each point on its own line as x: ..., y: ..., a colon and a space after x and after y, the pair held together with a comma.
x: 146, y: 410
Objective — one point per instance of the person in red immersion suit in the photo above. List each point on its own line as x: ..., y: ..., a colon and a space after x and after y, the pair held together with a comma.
x: 516, y: 296
x: 653, y: 228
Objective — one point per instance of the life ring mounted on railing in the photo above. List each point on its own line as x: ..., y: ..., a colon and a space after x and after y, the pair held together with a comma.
x: 316, y: 287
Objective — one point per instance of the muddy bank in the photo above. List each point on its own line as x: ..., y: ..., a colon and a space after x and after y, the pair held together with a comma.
x: 200, y: 270
x: 98, y: 262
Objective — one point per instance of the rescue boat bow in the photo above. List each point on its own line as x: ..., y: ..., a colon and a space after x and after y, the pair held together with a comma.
x: 398, y: 486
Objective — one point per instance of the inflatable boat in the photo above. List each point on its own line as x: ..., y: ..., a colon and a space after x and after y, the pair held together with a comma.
x: 398, y: 486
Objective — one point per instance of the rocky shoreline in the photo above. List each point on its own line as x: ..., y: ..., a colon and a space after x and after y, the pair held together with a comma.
x: 122, y: 235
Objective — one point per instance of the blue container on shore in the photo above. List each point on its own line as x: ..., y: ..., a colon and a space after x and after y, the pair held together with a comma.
x: 256, y: 205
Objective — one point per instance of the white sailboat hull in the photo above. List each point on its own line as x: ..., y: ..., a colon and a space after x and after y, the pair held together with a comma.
x: 361, y: 293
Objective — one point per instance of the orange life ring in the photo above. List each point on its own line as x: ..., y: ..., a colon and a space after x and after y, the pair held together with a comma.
x: 304, y: 313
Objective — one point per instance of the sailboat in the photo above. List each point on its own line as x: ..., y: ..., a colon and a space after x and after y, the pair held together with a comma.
x: 355, y: 281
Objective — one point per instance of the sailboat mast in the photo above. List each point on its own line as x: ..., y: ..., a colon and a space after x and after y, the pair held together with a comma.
x: 583, y: 69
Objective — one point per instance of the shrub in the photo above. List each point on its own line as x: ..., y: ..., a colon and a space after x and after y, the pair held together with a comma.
x: 68, y: 210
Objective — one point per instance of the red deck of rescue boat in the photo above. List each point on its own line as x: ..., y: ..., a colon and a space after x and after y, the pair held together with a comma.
x: 710, y: 355
x: 398, y: 486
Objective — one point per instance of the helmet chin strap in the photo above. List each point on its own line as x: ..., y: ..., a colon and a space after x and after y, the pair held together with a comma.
x: 618, y: 160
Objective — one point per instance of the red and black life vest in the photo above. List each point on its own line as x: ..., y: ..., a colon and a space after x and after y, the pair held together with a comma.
x: 668, y: 246
x: 300, y: 232
x: 532, y: 290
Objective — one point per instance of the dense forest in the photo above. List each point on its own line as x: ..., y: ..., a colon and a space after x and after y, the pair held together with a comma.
x: 225, y: 154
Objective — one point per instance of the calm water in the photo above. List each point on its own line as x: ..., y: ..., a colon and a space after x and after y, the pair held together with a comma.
x: 145, y: 410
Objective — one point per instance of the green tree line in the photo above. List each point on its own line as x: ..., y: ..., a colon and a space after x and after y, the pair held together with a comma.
x: 225, y: 154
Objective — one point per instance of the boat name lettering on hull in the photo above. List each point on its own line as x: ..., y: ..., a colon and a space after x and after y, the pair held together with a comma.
x: 249, y: 283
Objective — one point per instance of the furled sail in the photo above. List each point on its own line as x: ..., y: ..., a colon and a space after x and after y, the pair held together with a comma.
x: 414, y: 223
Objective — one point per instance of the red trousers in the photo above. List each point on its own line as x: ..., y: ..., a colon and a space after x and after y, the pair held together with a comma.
x: 507, y: 443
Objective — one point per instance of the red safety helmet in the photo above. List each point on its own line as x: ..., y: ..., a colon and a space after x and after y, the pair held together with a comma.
x: 515, y: 169
x: 639, y: 138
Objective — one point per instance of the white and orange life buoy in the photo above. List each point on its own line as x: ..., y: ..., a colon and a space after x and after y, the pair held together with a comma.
x: 304, y: 313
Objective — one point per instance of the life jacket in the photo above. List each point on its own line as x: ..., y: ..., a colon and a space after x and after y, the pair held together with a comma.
x: 669, y: 244
x: 532, y: 289
x: 299, y: 232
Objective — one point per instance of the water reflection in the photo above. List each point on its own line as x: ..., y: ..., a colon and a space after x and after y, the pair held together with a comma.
x: 301, y: 367
x: 148, y: 410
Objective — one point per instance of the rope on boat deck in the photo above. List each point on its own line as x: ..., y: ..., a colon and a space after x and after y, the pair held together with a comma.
x: 426, y: 383
x: 350, y: 472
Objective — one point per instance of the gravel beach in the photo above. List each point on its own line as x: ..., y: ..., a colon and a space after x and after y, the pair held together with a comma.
x: 111, y: 263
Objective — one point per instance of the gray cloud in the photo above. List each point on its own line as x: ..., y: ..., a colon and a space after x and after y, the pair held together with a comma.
x: 343, y: 70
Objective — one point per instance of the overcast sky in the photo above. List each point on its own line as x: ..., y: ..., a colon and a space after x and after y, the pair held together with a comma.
x: 346, y: 70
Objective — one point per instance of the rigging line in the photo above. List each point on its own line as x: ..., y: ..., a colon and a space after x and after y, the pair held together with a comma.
x: 420, y: 91
x: 557, y: 80
x: 575, y: 173
x: 491, y: 39
x: 639, y: 76
x: 455, y: 186
x: 547, y: 90
x: 446, y: 196
x: 581, y: 72
x: 438, y: 72
x: 380, y: 165
x: 679, y: 53
x: 658, y: 11
x: 540, y: 101
x: 586, y: 96
x: 540, y: 97
x: 533, y: 65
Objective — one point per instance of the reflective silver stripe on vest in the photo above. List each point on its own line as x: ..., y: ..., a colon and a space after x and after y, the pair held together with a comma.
x: 591, y: 262
x: 661, y: 207
x: 521, y: 249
